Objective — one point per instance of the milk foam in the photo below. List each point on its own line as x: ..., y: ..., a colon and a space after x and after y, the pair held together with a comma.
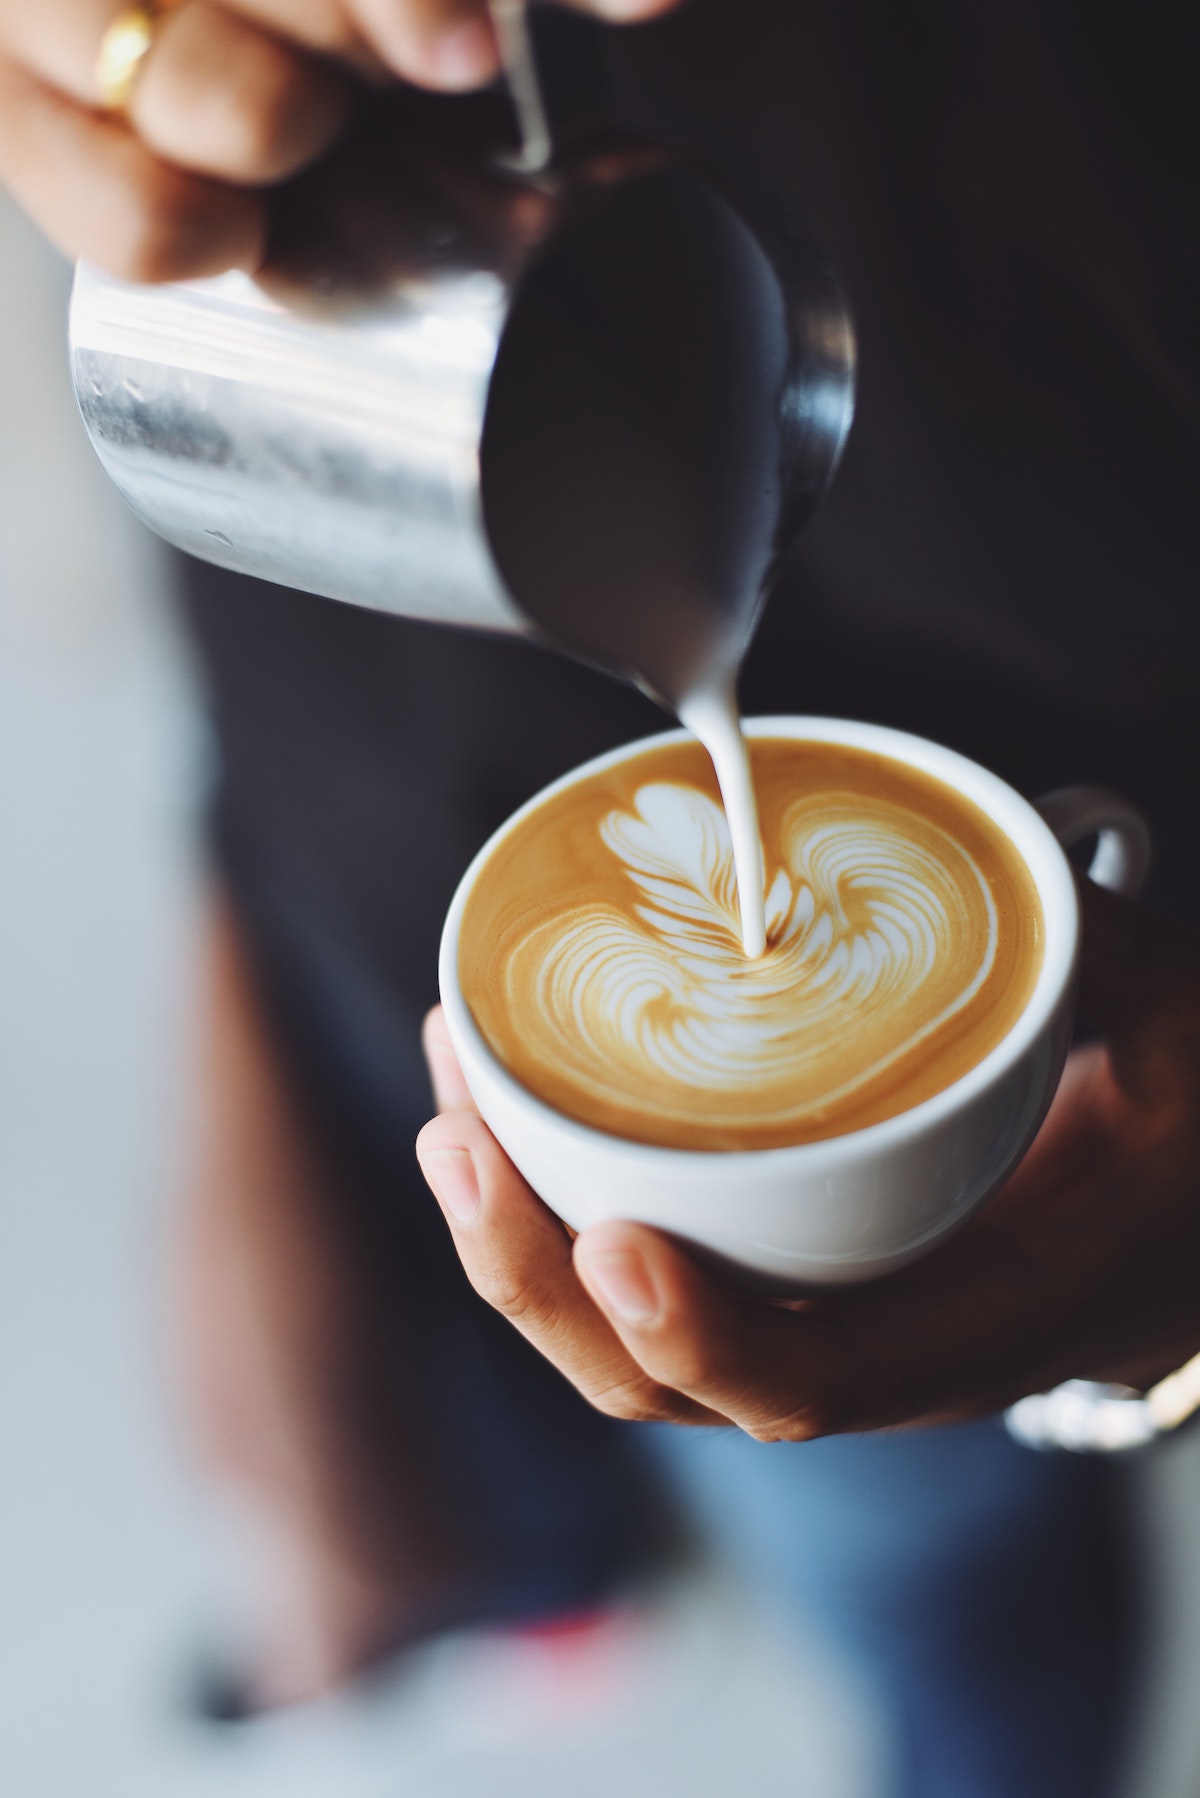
x: 856, y: 920
x: 602, y: 949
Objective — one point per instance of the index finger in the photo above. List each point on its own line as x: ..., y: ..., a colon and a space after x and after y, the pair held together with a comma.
x: 517, y: 1256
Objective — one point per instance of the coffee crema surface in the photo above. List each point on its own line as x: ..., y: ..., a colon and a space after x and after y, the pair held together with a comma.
x: 601, y: 952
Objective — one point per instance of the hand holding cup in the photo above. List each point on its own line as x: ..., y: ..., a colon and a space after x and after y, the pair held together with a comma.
x: 1085, y: 1265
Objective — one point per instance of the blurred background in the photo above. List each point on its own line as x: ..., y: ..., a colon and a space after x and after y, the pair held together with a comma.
x: 121, y: 1575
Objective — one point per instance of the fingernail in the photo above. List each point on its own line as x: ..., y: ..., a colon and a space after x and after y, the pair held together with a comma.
x: 623, y: 1284
x: 464, y: 56
x: 451, y: 1175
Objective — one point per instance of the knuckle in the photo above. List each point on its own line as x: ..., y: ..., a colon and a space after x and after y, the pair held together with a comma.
x: 248, y: 119
x: 632, y: 1401
x: 791, y: 1429
x: 144, y: 239
x: 514, y: 1295
x: 273, y: 122
x: 803, y: 1423
x: 691, y: 1369
x: 337, y: 35
x: 167, y: 228
x: 252, y: 110
x: 696, y: 1365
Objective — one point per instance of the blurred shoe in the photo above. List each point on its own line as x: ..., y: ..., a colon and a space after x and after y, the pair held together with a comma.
x: 678, y: 1692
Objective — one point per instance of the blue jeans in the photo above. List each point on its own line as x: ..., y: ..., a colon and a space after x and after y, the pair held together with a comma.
x: 984, y: 1592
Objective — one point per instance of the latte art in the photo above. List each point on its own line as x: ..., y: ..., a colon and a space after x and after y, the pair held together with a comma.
x: 625, y: 998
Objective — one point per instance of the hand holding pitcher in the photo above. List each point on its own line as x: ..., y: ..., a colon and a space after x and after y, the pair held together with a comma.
x: 143, y: 138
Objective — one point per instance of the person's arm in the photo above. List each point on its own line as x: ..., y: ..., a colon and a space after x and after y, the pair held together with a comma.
x: 230, y: 98
x: 1086, y: 1265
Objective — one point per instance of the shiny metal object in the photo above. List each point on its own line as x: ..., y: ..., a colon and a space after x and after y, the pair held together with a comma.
x: 594, y: 408
x: 1089, y: 1417
x: 510, y: 19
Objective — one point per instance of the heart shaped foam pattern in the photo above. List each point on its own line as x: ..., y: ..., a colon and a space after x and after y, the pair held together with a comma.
x: 890, y: 968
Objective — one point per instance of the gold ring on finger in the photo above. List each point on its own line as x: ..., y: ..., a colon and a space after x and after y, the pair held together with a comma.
x: 123, y: 49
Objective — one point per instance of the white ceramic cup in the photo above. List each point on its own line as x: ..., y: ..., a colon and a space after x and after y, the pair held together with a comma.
x: 850, y: 1207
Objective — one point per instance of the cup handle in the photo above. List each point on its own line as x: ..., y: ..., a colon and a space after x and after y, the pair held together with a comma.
x: 1122, y: 858
x: 1085, y: 1415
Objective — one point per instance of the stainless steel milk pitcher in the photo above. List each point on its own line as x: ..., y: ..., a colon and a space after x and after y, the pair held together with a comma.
x: 593, y: 405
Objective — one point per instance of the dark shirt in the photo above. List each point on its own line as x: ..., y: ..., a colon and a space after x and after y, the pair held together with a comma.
x: 1007, y: 560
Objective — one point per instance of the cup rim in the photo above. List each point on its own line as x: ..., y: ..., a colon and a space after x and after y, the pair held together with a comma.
x: 1020, y: 821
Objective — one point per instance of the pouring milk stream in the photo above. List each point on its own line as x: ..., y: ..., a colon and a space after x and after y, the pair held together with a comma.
x: 592, y: 404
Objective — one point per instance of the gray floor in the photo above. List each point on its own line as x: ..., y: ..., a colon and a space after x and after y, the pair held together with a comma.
x: 115, y: 1564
